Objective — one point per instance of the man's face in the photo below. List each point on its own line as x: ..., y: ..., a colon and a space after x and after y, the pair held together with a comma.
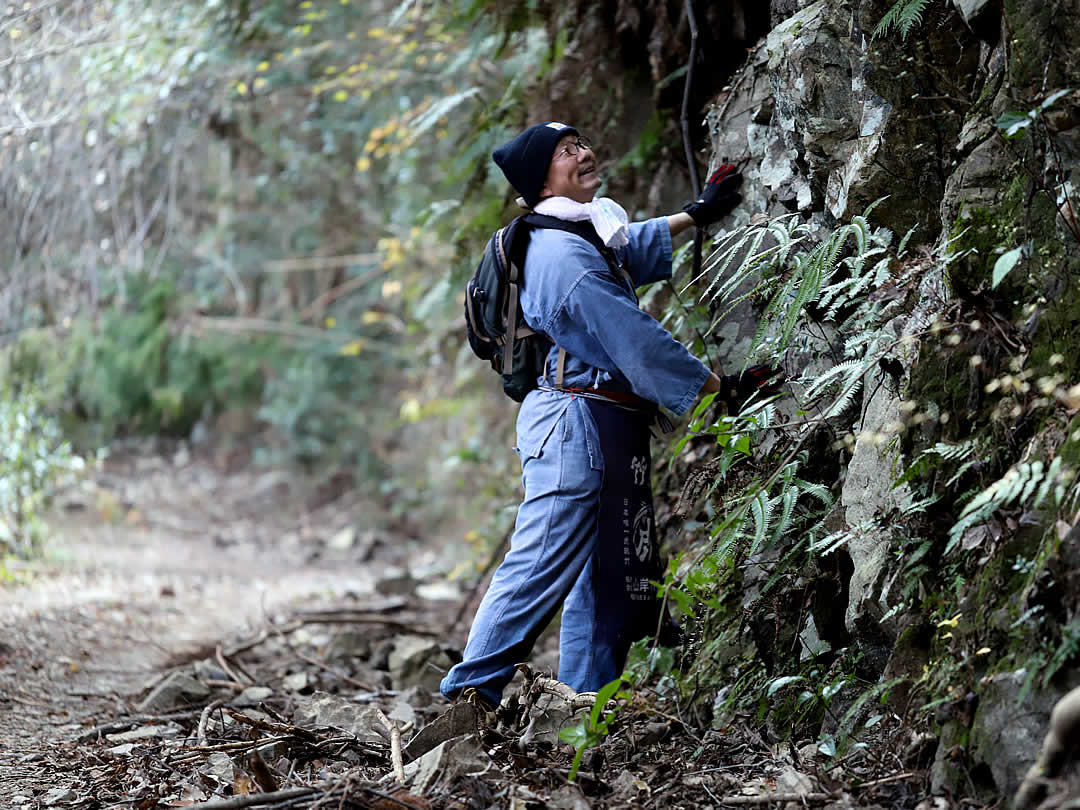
x: 572, y: 171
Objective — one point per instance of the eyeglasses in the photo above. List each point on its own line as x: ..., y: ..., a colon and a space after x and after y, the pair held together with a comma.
x: 575, y: 146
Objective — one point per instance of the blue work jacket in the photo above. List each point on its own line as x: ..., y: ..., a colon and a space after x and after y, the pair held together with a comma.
x: 570, y: 294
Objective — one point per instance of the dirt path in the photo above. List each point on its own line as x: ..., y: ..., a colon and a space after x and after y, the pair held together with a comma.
x: 156, y: 562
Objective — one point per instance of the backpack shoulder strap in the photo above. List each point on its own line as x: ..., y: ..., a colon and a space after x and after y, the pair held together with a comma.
x: 587, y: 232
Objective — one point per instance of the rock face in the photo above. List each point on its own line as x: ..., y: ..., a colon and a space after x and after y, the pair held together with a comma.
x: 826, y: 120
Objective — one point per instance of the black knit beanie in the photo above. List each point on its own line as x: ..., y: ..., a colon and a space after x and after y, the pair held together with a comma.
x: 526, y: 158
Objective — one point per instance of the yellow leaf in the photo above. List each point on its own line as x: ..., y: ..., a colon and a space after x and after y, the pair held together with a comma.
x: 341, y: 95
x: 352, y: 349
x: 371, y: 316
x: 241, y: 88
x: 955, y: 620
x: 351, y: 35
x: 330, y: 70
x: 330, y: 322
x: 306, y: 4
x: 410, y: 410
x: 376, y: 33
x: 259, y: 83
x: 391, y: 288
x: 363, y: 164
x: 263, y: 66
x: 947, y: 635
x: 982, y: 651
x: 14, y: 33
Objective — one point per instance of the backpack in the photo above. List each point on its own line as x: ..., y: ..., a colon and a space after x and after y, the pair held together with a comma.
x: 495, y: 326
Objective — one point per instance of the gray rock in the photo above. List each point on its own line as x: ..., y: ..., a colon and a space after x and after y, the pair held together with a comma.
x: 792, y: 781
x: 252, y: 696
x: 177, y: 689
x: 347, y: 644
x: 343, y: 539
x: 219, y: 767
x: 812, y: 643
x: 868, y: 493
x: 395, y: 582
x: 441, y: 591
x: 446, y: 763
x: 970, y: 9
x: 1008, y: 732
x: 145, y: 733
x: 550, y: 715
x: 295, y: 682
x: 323, y: 709
x: 403, y: 713
x: 458, y: 720
x: 417, y: 661
x: 59, y: 796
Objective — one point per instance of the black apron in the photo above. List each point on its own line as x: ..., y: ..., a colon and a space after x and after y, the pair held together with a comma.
x: 627, y: 559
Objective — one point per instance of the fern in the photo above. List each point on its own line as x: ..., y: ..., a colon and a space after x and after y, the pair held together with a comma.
x: 1027, y: 482
x: 903, y: 16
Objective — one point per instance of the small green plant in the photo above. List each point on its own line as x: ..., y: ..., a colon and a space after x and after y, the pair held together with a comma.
x: 643, y: 662
x: 34, y: 461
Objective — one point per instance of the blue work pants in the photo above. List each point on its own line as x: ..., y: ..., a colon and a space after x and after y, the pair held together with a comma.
x: 584, y: 541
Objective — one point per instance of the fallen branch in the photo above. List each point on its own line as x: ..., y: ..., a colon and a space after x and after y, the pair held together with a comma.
x: 204, y: 718
x: 277, y: 728
x: 395, y: 745
x: 124, y: 725
x: 769, y: 798
x: 255, y: 799
x: 219, y: 653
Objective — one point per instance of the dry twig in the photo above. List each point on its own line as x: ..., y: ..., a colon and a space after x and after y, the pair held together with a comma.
x: 395, y: 745
x: 204, y: 718
x: 770, y: 798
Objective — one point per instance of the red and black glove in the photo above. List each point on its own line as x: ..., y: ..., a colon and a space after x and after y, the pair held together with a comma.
x: 738, y: 389
x: 718, y: 198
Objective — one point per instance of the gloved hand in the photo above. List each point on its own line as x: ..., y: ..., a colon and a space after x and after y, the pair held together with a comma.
x: 738, y: 389
x: 718, y: 198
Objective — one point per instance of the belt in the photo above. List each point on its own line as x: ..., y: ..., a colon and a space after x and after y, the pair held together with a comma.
x: 621, y: 399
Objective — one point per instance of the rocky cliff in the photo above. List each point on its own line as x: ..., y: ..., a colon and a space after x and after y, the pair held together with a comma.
x: 966, y: 127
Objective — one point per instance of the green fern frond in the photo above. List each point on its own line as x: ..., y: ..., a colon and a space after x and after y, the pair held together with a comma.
x: 1017, y: 485
x: 903, y: 16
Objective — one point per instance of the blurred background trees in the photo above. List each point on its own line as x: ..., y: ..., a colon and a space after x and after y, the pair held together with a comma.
x: 252, y: 220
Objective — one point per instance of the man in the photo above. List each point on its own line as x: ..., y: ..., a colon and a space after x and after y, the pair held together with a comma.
x: 584, y: 538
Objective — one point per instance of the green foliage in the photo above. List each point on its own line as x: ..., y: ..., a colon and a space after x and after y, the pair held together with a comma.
x: 903, y: 16
x: 34, y: 461
x: 1028, y: 483
x: 643, y: 662
x: 144, y: 375
x: 316, y: 400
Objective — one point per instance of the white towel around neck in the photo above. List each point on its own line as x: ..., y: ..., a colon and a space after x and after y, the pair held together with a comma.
x: 607, y: 216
